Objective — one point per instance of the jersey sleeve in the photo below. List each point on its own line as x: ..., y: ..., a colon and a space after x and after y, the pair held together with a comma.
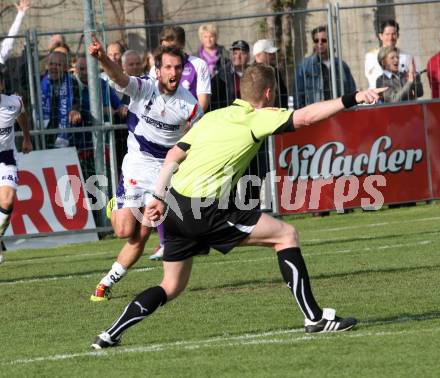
x: 18, y: 105
x: 137, y: 88
x: 203, y: 78
x: 195, y: 115
x: 189, y: 137
x: 269, y: 121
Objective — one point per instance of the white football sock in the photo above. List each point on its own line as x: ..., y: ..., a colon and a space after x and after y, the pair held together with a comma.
x: 114, y: 275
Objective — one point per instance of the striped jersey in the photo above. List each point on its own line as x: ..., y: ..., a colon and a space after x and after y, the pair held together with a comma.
x: 156, y: 121
x: 10, y: 109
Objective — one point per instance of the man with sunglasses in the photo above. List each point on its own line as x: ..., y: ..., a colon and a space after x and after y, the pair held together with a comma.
x: 312, y: 77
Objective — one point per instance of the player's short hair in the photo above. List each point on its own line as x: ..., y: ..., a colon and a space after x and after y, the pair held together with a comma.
x: 255, y: 80
x: 207, y: 28
x: 173, y: 34
x: 171, y: 50
x: 60, y: 44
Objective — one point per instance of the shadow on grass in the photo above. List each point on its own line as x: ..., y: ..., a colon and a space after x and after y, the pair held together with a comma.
x: 266, y: 282
x: 401, y: 318
x: 368, y: 238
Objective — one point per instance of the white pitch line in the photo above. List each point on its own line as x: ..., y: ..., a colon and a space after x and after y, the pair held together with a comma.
x: 376, y: 224
x: 220, y: 342
x: 55, y: 256
x: 68, y: 277
x: 227, y: 261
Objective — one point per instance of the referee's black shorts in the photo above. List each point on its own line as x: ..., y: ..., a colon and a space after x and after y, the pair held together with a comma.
x: 197, y: 231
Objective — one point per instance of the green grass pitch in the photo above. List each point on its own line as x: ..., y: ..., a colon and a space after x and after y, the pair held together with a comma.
x: 236, y: 318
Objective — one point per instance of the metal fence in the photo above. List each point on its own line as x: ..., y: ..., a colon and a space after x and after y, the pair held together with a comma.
x: 351, y: 33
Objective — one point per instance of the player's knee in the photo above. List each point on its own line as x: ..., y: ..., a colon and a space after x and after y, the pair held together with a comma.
x: 291, y: 235
x: 7, y: 203
x: 123, y: 231
x: 172, y: 289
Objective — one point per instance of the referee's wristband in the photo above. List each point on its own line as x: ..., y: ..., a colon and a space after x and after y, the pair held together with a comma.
x: 349, y: 100
x: 158, y: 197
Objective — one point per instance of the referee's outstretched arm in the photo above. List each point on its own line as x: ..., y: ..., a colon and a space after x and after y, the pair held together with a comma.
x: 322, y: 110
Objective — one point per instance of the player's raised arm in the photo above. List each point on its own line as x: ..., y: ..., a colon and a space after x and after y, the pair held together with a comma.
x: 321, y: 110
x: 113, y: 71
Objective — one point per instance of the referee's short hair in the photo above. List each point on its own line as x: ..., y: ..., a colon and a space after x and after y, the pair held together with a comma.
x: 172, y: 50
x: 255, y: 80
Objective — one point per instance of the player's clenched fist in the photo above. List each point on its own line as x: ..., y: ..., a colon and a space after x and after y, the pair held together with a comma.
x: 369, y: 96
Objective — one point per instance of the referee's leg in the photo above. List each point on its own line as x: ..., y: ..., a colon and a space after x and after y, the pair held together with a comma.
x: 284, y: 239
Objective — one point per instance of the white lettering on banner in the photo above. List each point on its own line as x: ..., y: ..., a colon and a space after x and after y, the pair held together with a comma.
x: 328, y: 160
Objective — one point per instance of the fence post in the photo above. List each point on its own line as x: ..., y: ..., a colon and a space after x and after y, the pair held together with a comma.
x: 32, y: 94
x: 331, y: 48
x: 272, y: 172
x: 339, y: 49
x: 95, y: 96
x: 37, y: 81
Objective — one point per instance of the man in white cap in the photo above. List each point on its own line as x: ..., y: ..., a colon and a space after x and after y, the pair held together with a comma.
x: 264, y: 52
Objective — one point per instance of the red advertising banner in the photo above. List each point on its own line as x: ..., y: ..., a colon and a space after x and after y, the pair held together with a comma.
x: 366, y: 158
x: 51, y: 196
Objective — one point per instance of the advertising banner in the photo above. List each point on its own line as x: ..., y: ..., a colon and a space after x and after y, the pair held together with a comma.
x: 361, y: 158
x: 50, y: 197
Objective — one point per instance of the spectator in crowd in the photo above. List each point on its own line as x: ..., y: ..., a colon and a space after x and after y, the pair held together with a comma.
x: 401, y: 86
x: 114, y: 51
x: 56, y: 40
x: 8, y: 43
x: 213, y: 54
x: 110, y: 101
x: 11, y: 110
x: 59, y: 91
x: 388, y: 35
x: 216, y: 56
x: 195, y: 76
x: 433, y: 70
x: 227, y: 88
x: 312, y: 76
x: 148, y: 61
x: 132, y: 63
x: 264, y: 52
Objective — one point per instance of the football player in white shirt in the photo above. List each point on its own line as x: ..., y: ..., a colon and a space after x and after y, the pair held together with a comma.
x: 159, y: 113
x: 11, y: 109
x: 195, y: 78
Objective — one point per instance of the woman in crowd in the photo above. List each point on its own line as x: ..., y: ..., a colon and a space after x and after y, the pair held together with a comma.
x: 401, y: 86
x: 216, y: 56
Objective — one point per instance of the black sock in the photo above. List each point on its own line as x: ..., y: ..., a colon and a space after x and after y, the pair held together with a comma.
x: 294, y: 271
x: 143, y: 305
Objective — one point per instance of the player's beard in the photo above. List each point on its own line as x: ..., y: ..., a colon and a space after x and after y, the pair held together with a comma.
x: 168, y: 87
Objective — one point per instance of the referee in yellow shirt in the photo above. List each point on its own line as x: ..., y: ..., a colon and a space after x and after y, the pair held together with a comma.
x: 209, y: 160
